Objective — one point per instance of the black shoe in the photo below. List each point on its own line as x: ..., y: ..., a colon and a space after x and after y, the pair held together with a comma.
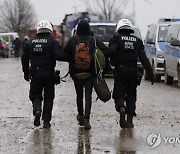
x: 122, y: 120
x: 87, y: 124
x: 80, y: 119
x: 129, y: 122
x: 46, y: 124
x: 37, y: 118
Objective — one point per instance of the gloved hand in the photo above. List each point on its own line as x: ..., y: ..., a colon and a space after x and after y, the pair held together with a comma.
x: 26, y: 77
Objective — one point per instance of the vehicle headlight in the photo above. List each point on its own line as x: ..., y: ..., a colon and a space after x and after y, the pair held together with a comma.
x: 159, y: 54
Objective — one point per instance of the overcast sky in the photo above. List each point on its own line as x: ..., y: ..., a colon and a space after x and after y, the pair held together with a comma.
x: 147, y: 11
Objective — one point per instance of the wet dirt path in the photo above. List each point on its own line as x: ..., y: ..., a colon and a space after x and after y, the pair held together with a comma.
x: 158, y: 112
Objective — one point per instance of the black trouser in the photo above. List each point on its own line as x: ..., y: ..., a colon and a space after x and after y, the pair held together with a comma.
x: 80, y: 85
x: 42, y: 88
x: 125, y: 88
x: 16, y: 53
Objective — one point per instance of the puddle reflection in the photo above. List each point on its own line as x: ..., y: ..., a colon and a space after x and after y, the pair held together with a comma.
x: 84, y: 143
x: 41, y: 142
x: 125, y: 134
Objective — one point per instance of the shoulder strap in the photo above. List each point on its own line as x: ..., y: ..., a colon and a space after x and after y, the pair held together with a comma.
x: 65, y: 76
x: 95, y: 42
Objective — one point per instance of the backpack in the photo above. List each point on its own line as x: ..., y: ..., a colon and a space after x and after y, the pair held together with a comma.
x: 82, y: 56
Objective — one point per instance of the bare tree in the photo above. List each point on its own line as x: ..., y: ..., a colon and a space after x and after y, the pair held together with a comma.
x: 106, y: 9
x: 16, y: 15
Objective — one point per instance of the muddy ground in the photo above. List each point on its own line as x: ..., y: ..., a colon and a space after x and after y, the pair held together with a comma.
x: 158, y: 112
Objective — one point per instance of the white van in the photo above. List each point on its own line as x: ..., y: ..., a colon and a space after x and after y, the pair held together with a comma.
x: 9, y: 38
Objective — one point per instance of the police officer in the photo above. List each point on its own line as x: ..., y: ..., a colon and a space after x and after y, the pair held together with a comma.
x: 124, y: 49
x: 17, y: 46
x: 42, y: 51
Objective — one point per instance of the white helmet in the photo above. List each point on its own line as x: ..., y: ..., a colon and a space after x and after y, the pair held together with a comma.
x: 26, y: 37
x: 124, y: 24
x: 44, y: 26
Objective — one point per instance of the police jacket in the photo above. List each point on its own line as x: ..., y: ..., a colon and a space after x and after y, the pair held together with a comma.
x: 70, y: 49
x: 42, y: 51
x: 124, y: 49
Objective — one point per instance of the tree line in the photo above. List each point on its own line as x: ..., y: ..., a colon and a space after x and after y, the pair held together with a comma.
x: 19, y: 15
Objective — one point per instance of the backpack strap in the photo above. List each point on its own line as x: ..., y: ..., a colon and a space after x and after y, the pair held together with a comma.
x: 99, y: 74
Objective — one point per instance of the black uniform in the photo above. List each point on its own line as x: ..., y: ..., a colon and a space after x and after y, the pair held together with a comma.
x: 124, y: 50
x: 42, y: 51
x: 17, y: 46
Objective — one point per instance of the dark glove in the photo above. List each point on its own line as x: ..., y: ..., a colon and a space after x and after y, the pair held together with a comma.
x: 26, y: 77
x: 57, y: 79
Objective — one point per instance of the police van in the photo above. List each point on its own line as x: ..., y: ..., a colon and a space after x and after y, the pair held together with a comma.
x: 172, y: 54
x: 154, y: 47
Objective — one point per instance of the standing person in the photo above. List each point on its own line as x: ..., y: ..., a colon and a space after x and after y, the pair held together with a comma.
x: 124, y: 49
x: 26, y: 38
x: 42, y: 51
x: 17, y: 46
x: 83, y: 79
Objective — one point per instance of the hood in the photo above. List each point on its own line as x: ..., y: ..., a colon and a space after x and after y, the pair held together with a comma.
x: 83, y: 28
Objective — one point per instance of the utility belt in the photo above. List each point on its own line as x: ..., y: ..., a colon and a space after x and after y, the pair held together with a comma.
x: 42, y: 69
x: 56, y: 73
x: 119, y: 66
x: 130, y: 65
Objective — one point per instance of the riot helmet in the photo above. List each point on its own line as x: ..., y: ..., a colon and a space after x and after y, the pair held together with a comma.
x: 44, y: 26
x: 26, y: 37
x: 124, y: 24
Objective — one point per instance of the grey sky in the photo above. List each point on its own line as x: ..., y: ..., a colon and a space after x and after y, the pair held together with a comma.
x: 147, y: 11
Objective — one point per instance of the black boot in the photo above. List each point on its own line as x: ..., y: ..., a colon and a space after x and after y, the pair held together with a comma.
x: 122, y: 120
x: 80, y: 119
x: 37, y: 118
x: 87, y: 124
x: 130, y: 121
x: 46, y: 124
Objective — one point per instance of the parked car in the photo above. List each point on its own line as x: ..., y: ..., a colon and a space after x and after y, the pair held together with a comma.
x: 3, y: 52
x: 172, y: 54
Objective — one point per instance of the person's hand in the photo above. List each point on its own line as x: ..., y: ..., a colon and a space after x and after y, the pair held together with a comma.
x: 26, y: 77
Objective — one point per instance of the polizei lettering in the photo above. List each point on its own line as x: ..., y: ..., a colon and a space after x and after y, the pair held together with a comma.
x: 128, y: 38
x: 39, y: 41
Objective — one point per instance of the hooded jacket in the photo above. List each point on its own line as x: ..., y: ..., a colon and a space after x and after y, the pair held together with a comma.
x: 83, y: 34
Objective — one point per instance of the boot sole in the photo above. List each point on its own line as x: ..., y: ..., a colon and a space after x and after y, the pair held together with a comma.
x: 87, y: 125
x: 37, y: 119
x: 80, y: 121
x: 129, y: 125
x: 122, y: 120
x: 47, y: 126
